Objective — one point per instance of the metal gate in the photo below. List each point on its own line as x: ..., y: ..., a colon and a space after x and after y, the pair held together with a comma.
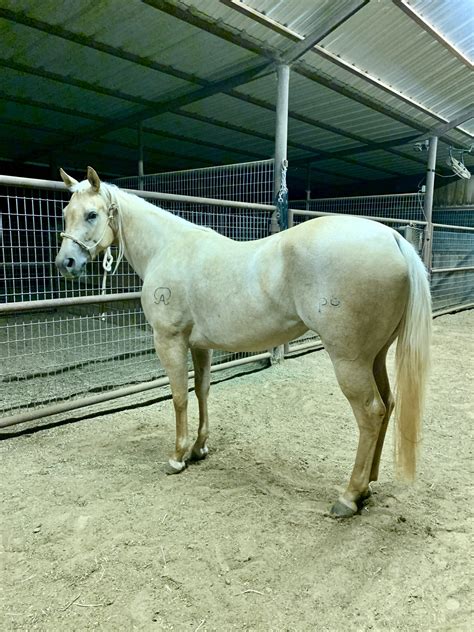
x: 452, y: 271
x: 63, y: 345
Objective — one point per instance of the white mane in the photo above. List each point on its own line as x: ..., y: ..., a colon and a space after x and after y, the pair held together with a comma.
x: 112, y: 194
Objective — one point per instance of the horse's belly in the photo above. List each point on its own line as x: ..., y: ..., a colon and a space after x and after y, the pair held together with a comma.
x: 246, y: 338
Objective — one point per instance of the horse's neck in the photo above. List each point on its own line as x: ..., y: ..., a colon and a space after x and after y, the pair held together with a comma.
x: 145, y: 232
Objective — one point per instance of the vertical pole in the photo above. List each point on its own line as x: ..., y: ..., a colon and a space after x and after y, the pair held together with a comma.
x: 281, y: 137
x: 308, y: 185
x: 280, y: 217
x: 428, y: 206
x: 140, y: 156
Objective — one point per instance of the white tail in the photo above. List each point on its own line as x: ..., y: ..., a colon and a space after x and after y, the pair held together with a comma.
x: 412, y: 364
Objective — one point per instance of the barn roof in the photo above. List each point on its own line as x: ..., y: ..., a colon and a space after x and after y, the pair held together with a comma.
x: 368, y: 80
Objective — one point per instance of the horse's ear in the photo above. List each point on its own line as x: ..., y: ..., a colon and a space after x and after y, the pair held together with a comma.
x: 68, y: 181
x: 93, y: 178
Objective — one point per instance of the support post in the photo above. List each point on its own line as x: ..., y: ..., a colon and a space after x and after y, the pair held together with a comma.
x: 428, y: 205
x: 280, y: 217
x: 140, y: 156
x: 280, y: 220
x: 308, y: 185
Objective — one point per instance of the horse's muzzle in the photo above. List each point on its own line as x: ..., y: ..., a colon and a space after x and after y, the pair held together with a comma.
x: 71, y: 267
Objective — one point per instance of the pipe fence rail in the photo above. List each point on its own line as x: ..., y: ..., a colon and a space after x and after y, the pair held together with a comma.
x: 64, y: 346
x: 452, y: 245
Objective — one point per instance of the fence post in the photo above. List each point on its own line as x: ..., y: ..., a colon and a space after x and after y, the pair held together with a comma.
x: 140, y: 156
x: 281, y: 138
x: 428, y: 204
x: 280, y: 191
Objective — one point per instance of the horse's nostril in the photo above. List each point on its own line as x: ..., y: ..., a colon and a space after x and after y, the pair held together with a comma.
x: 69, y: 263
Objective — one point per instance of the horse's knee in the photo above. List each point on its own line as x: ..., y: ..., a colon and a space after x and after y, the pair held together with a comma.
x: 180, y: 402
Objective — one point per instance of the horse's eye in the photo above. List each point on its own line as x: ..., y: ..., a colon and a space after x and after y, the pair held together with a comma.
x: 91, y: 215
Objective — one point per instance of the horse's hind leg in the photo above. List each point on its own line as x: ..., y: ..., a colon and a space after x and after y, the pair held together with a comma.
x: 383, y: 384
x: 202, y: 378
x: 358, y: 384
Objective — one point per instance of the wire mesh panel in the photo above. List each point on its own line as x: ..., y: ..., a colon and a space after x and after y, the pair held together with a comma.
x: 452, y: 282
x: 31, y: 222
x: 452, y: 279
x: 74, y: 351
x: 242, y: 182
x: 405, y: 206
x: 455, y: 216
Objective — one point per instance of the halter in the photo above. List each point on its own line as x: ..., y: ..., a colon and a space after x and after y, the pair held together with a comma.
x: 82, y: 244
x: 108, y: 259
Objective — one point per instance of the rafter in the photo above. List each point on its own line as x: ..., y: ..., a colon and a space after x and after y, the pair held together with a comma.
x: 289, y: 33
x: 150, y: 131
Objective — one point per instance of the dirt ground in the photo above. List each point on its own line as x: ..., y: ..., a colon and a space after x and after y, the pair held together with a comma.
x: 95, y: 536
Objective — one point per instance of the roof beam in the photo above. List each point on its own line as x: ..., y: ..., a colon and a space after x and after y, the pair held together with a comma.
x: 150, y: 104
x: 305, y: 43
x: 52, y: 29
x: 202, y: 21
x: 320, y: 153
x: 431, y: 30
x: 346, y: 11
x: 465, y: 115
x: 151, y: 131
x: 226, y: 84
x: 283, y: 30
x: 110, y: 141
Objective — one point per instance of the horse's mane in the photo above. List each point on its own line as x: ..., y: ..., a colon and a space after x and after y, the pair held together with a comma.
x: 112, y: 194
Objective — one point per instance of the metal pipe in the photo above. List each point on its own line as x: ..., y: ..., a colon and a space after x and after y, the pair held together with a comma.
x: 152, y: 195
x: 140, y: 155
x: 453, y: 310
x: 440, y: 270
x: 428, y: 204
x: 281, y: 139
x: 389, y: 220
x: 454, y: 227
x: 281, y: 125
x: 307, y: 346
x: 360, y: 197
x: 26, y: 306
x: 63, y: 407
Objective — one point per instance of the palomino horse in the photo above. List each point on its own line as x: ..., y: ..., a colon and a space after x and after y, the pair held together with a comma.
x: 357, y: 283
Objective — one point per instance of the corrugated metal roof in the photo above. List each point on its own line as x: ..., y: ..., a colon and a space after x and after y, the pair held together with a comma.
x: 70, y: 70
x: 456, y: 24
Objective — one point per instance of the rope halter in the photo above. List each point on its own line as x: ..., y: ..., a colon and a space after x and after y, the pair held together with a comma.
x: 108, y: 259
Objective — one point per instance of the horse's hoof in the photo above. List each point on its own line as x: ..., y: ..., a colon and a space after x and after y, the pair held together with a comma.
x: 198, y: 454
x: 174, y: 467
x: 343, y: 509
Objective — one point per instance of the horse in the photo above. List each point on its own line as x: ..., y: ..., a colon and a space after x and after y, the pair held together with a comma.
x: 357, y: 283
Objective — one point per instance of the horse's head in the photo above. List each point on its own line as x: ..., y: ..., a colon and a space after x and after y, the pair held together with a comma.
x: 87, y: 224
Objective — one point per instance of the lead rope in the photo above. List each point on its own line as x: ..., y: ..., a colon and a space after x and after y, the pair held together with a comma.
x: 108, y: 260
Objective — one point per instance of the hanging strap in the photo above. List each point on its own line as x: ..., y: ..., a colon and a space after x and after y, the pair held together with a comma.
x: 281, y: 201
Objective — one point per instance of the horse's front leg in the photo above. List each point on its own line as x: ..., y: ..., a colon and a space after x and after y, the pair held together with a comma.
x: 172, y: 352
x: 202, y: 379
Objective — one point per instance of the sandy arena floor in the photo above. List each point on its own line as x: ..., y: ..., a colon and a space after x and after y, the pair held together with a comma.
x: 95, y: 536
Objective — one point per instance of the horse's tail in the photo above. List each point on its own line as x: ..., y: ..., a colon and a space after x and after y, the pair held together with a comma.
x: 412, y: 363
